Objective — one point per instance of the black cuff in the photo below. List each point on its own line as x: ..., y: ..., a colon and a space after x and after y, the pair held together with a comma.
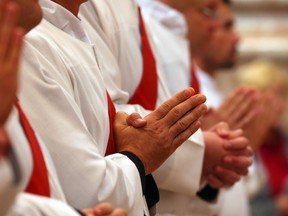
x: 208, y: 193
x: 151, y: 192
x: 80, y: 212
x: 138, y: 163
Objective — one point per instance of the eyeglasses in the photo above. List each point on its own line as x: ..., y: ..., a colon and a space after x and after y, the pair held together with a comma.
x: 209, y: 12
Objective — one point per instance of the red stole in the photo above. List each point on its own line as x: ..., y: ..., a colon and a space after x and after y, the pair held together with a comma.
x: 147, y: 92
x: 111, y: 149
x: 274, y: 158
x: 39, y: 181
x: 194, y: 79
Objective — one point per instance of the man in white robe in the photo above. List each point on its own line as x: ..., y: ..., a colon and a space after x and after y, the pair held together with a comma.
x: 118, y: 24
x: 234, y: 200
x: 120, y: 89
x: 16, y: 162
x: 168, y: 31
x: 69, y: 110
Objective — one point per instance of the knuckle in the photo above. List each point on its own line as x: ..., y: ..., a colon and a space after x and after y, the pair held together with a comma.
x: 180, y: 139
x: 182, y: 124
x: 165, y: 107
x: 200, y: 110
x: 177, y: 112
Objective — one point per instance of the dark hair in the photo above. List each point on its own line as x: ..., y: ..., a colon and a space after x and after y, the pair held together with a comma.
x: 228, y: 2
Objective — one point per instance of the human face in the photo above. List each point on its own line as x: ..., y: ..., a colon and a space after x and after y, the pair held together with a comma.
x: 201, y: 20
x: 181, y: 5
x: 222, y: 48
x: 30, y: 13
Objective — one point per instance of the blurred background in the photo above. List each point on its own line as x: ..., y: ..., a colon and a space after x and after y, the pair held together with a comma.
x: 263, y: 27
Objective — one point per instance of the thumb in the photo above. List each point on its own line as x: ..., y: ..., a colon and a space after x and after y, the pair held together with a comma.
x: 136, y: 120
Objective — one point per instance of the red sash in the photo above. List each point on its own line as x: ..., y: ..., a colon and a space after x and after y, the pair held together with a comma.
x: 147, y: 92
x: 39, y: 181
x: 194, y: 79
x: 112, y: 112
x: 274, y: 158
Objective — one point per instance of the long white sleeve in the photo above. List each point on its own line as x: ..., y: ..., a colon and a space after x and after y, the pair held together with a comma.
x: 28, y: 204
x: 64, y: 96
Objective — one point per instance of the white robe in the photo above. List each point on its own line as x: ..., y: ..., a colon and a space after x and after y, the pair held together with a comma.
x: 176, y: 63
x: 210, y: 88
x: 233, y: 200
x: 118, y: 23
x: 27, y: 204
x: 65, y: 99
x: 172, y: 54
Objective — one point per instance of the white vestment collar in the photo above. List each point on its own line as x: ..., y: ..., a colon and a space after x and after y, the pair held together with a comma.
x: 64, y: 20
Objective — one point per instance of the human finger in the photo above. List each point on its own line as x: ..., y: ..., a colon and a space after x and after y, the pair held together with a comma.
x: 136, y: 120
x: 9, y: 22
x: 222, y: 129
x: 236, y: 144
x: 231, y: 100
x: 244, y: 108
x: 168, y: 105
x: 119, y: 212
x: 248, y: 118
x: 220, y: 126
x: 188, y: 119
x: 88, y: 212
x: 103, y: 209
x: 214, y: 181
x: 234, y: 101
x: 14, y: 55
x: 2, y: 10
x: 226, y: 176
x: 232, y: 134
x: 182, y: 137
x: 191, y: 105
x: 238, y: 162
x: 248, y: 152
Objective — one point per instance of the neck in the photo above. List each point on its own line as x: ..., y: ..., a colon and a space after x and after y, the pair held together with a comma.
x: 72, y: 6
x: 209, y: 69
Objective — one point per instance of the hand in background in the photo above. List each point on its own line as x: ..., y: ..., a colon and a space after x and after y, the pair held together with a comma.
x: 227, y: 156
x: 10, y: 51
x: 238, y: 109
x: 104, y: 209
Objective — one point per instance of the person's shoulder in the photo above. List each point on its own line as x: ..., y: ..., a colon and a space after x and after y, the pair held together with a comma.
x: 40, y: 36
x: 42, y: 40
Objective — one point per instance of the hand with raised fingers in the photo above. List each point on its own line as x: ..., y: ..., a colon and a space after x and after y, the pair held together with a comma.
x: 271, y: 108
x: 238, y: 109
x: 104, y: 209
x: 10, y: 51
x: 166, y: 129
